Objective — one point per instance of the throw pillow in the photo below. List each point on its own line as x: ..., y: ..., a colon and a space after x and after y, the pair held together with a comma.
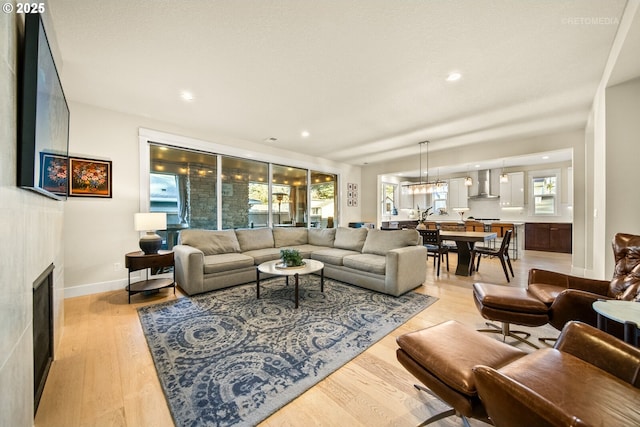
x: 322, y: 236
x: 211, y: 242
x: 350, y: 238
x: 379, y: 242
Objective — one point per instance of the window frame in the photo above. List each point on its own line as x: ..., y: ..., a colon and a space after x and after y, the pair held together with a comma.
x: 554, y: 197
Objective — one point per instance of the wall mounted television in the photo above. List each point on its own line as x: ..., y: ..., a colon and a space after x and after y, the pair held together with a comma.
x: 43, y: 122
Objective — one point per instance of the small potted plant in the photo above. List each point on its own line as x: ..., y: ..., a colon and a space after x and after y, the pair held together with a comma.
x: 291, y: 257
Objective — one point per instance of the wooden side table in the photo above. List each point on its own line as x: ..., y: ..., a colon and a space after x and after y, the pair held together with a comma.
x: 135, y: 261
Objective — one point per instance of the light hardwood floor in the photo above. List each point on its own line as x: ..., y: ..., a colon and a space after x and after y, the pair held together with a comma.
x: 103, y: 374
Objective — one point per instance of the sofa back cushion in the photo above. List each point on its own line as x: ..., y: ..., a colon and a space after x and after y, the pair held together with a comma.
x: 289, y: 236
x: 255, y: 238
x: 350, y: 238
x: 211, y: 242
x: 379, y: 242
x: 322, y: 236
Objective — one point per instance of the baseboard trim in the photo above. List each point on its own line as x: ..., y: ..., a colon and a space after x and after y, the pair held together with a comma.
x: 94, y: 288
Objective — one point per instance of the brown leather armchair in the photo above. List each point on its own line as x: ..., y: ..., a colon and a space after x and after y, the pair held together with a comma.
x: 571, y: 297
x: 589, y: 378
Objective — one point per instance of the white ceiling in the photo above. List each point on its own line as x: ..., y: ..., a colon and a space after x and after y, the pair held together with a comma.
x: 365, y: 77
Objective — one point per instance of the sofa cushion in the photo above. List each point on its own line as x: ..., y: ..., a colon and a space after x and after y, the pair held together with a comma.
x: 211, y: 242
x: 255, y: 238
x: 379, y: 242
x: 322, y: 236
x: 332, y: 255
x: 366, y: 262
x: 263, y: 255
x: 289, y: 236
x: 351, y: 239
x: 226, y: 262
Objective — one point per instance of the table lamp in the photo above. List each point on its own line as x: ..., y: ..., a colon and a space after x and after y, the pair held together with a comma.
x: 150, y: 242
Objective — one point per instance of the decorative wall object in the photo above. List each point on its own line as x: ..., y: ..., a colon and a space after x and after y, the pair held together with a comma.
x: 352, y: 195
x: 89, y: 177
x: 54, y: 174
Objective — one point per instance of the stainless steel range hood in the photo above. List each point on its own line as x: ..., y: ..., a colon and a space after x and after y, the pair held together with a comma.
x: 484, y: 186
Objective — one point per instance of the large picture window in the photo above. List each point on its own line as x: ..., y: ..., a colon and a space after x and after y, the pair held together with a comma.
x: 184, y: 184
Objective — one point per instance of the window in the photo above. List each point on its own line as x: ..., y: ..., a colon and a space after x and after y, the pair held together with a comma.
x: 244, y: 193
x: 184, y: 183
x: 323, y: 200
x: 439, y: 198
x: 289, y: 196
x: 163, y: 193
x: 389, y: 199
x: 186, y: 180
x: 544, y: 193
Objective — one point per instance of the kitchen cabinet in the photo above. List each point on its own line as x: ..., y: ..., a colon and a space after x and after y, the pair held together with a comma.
x: 548, y: 237
x: 458, y: 194
x: 512, y: 192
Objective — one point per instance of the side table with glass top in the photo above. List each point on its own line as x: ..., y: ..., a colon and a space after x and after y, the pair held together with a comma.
x: 625, y: 312
x: 135, y: 261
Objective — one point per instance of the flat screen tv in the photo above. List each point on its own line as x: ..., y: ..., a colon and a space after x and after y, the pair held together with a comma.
x: 43, y: 121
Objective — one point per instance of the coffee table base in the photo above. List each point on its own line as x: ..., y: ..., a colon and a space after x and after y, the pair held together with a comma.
x: 297, y: 282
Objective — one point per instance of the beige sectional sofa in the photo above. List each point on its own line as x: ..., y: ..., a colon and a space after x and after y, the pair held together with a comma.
x: 391, y: 262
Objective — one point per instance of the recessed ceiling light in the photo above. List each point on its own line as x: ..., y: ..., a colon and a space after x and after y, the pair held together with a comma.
x: 305, y: 134
x: 187, y: 96
x: 455, y: 76
x: 270, y: 139
x: 545, y: 157
x: 477, y: 166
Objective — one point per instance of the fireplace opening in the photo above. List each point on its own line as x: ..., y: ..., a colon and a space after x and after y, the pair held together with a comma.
x: 42, y: 331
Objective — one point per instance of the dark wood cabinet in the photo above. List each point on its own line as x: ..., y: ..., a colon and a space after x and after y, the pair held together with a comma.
x: 548, y: 236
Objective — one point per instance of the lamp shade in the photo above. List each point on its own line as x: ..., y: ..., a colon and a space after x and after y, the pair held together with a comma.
x: 150, y: 221
x: 150, y: 243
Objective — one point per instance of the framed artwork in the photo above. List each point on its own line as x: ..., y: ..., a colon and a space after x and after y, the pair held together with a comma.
x: 54, y: 176
x: 89, y: 177
x: 352, y: 195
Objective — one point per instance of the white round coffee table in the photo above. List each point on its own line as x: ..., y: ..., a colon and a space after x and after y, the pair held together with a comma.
x: 625, y: 312
x: 274, y: 268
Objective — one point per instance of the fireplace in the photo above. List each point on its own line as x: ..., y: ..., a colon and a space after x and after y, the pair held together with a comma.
x: 42, y: 331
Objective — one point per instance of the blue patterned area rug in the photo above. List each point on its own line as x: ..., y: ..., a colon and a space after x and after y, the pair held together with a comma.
x: 226, y: 358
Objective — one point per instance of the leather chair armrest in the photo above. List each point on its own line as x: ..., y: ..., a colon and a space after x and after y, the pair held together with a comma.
x: 573, y: 304
x: 602, y: 350
x: 600, y: 287
x: 510, y: 403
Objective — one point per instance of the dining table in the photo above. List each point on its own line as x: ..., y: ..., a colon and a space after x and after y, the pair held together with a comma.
x: 465, y: 242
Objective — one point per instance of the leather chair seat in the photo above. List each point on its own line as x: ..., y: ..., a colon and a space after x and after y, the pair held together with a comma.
x: 547, y: 293
x: 442, y: 358
x: 510, y: 305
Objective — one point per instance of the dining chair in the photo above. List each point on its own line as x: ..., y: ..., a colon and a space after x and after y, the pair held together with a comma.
x: 502, y: 253
x: 431, y: 240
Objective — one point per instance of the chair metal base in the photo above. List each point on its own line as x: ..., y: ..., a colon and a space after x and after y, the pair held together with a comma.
x: 441, y: 415
x: 506, y: 331
x: 548, y: 341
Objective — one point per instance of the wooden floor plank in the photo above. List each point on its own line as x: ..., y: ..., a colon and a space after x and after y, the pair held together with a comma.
x: 103, y: 374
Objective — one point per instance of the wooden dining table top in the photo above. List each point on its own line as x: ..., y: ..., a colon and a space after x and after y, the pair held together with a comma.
x: 468, y: 236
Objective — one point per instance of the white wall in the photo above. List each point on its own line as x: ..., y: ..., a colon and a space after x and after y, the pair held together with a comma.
x: 100, y: 231
x: 32, y: 238
x: 622, y: 170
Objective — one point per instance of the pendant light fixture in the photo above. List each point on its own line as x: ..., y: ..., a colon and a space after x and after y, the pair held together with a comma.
x: 504, y: 178
x: 468, y: 181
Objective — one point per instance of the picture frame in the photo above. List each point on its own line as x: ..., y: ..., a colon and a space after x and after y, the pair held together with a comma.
x: 90, y: 177
x: 352, y: 195
x: 54, y: 173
